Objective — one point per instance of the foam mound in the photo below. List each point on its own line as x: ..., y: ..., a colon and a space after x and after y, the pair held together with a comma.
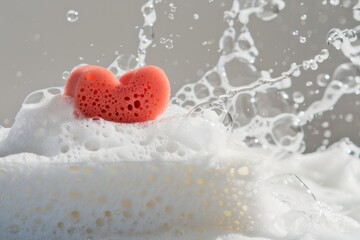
x: 180, y: 177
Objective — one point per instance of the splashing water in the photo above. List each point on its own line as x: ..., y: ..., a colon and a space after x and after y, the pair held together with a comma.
x: 146, y: 36
x: 283, y: 129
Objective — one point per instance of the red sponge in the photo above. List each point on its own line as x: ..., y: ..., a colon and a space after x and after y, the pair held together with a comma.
x: 139, y: 95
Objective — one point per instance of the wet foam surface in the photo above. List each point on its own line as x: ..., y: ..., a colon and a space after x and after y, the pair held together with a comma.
x: 179, y: 177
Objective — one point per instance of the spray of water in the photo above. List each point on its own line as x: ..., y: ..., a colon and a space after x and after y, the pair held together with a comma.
x: 215, y: 98
x: 125, y: 63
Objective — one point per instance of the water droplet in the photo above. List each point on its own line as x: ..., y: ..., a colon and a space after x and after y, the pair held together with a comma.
x: 325, y: 124
x: 169, y: 44
x: 313, y: 64
x: 196, y: 16
x: 335, y: 38
x: 296, y: 71
x: 171, y: 16
x: 172, y: 7
x: 65, y: 75
x: 298, y: 97
x: 295, y: 33
x: 72, y: 16
x: 335, y: 2
x: 270, y: 9
x: 302, y: 39
x: 323, y: 80
x: 306, y: 65
x: 327, y: 134
x: 349, y: 75
x: 351, y: 35
x: 303, y: 17
x: 309, y: 84
x: 349, y: 117
x: 324, y: 54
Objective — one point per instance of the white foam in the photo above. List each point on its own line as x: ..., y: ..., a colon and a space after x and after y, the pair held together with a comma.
x: 67, y: 177
x: 179, y: 177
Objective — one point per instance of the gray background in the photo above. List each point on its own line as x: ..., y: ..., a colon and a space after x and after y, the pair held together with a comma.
x: 37, y: 44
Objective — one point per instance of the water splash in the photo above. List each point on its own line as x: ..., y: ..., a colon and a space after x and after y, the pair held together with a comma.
x: 146, y: 33
x: 337, y: 37
x: 258, y: 110
x: 345, y: 77
x: 295, y: 204
x: 349, y: 147
x: 283, y: 130
x: 356, y: 11
x: 351, y: 46
x: 240, y: 107
x: 124, y: 63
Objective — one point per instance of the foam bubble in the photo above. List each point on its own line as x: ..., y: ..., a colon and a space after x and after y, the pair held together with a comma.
x: 109, y: 178
x: 179, y: 177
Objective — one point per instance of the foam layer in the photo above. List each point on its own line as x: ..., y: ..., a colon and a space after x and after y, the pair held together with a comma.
x: 64, y: 177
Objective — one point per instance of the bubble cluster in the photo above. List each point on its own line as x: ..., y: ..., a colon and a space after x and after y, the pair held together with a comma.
x: 112, y: 178
x: 211, y: 97
x: 246, y: 113
x: 350, y: 47
x: 337, y: 37
x: 40, y: 96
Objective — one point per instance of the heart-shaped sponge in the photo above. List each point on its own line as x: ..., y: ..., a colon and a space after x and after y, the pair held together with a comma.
x: 139, y: 95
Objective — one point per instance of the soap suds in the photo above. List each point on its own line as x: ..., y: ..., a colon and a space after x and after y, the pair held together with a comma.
x: 179, y: 177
